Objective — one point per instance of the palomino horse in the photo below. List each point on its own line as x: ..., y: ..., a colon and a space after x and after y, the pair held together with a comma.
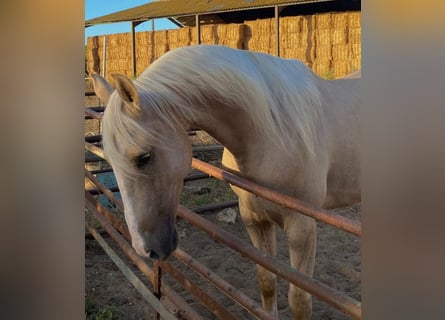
x: 281, y: 126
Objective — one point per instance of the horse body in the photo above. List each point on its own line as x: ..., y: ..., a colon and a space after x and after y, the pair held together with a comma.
x: 281, y: 126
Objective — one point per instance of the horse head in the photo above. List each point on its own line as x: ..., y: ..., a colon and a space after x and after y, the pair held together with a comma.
x: 150, y: 159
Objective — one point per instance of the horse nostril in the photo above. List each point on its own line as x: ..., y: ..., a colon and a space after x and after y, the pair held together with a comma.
x: 153, y: 255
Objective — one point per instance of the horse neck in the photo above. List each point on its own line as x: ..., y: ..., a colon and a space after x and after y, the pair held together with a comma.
x: 233, y: 127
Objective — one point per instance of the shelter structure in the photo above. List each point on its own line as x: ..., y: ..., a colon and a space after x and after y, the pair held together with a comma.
x: 203, y: 12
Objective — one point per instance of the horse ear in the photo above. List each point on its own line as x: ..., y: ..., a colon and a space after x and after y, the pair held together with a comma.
x: 101, y: 87
x: 128, y: 92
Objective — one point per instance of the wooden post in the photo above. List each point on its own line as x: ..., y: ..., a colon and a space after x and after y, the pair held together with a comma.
x: 198, y: 30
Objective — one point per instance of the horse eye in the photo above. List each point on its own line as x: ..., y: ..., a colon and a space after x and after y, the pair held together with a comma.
x: 141, y: 160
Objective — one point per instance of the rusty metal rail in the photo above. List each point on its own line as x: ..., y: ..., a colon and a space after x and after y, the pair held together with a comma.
x: 334, y: 219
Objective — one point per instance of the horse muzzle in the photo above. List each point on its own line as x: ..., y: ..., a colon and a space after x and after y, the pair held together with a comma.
x: 158, y: 245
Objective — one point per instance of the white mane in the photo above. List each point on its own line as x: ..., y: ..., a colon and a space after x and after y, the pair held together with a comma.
x: 280, y: 95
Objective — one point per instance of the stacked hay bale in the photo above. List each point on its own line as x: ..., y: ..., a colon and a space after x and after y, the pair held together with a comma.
x: 337, y: 40
x: 355, y: 41
x: 329, y: 43
x: 230, y: 35
x: 208, y: 34
x: 291, y: 39
x: 118, y: 58
x: 181, y: 37
x: 259, y: 36
x: 322, y: 62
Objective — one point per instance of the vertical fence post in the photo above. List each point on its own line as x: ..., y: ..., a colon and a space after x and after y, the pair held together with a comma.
x: 157, y: 282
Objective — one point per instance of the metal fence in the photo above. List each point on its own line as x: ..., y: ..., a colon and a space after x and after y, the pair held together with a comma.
x: 162, y: 293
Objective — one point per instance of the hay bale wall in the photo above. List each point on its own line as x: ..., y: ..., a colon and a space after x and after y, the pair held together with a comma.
x: 329, y: 43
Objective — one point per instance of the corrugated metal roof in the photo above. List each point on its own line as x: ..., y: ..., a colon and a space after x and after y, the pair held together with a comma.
x: 178, y: 8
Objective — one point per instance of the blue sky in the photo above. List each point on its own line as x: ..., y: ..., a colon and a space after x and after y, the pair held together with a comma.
x: 97, y: 8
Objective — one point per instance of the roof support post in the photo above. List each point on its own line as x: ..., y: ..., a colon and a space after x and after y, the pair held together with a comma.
x: 133, y: 49
x: 277, y: 31
x: 198, y: 30
x: 104, y: 57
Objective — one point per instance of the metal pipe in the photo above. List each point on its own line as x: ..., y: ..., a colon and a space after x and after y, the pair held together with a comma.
x: 108, y: 215
x: 314, y: 287
x: 186, y: 311
x: 131, y: 277
x: 198, y: 29
x: 133, y: 49
x: 331, y: 218
x: 244, y: 301
x: 93, y: 114
x: 196, y: 176
x: 211, y: 304
x: 104, y: 57
x: 277, y: 31
x: 109, y: 193
x: 93, y: 139
x: 98, y: 171
x: 97, y: 108
x: 211, y: 147
x: 95, y: 150
x: 215, y: 206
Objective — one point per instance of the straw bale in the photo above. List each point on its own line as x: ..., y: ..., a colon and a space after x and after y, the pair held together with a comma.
x: 339, y: 36
x: 123, y: 52
x: 122, y: 64
x: 307, y: 39
x: 356, y: 50
x: 323, y: 37
x: 340, y: 20
x: 324, y: 52
x: 323, y: 21
x: 229, y: 31
x: 341, y: 52
x: 208, y: 34
x: 355, y: 19
x: 179, y: 37
x: 289, y: 25
x: 356, y: 64
x: 160, y: 50
x: 354, y: 35
x: 160, y: 37
x: 341, y: 68
x: 322, y: 67
x: 308, y: 23
x: 297, y: 53
x: 257, y: 36
x: 140, y: 39
x: 123, y: 39
x: 149, y: 37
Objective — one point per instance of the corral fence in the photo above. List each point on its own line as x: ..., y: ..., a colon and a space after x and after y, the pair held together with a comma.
x: 167, y: 303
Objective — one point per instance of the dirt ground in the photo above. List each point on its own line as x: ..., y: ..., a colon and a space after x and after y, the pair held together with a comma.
x: 109, y: 295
